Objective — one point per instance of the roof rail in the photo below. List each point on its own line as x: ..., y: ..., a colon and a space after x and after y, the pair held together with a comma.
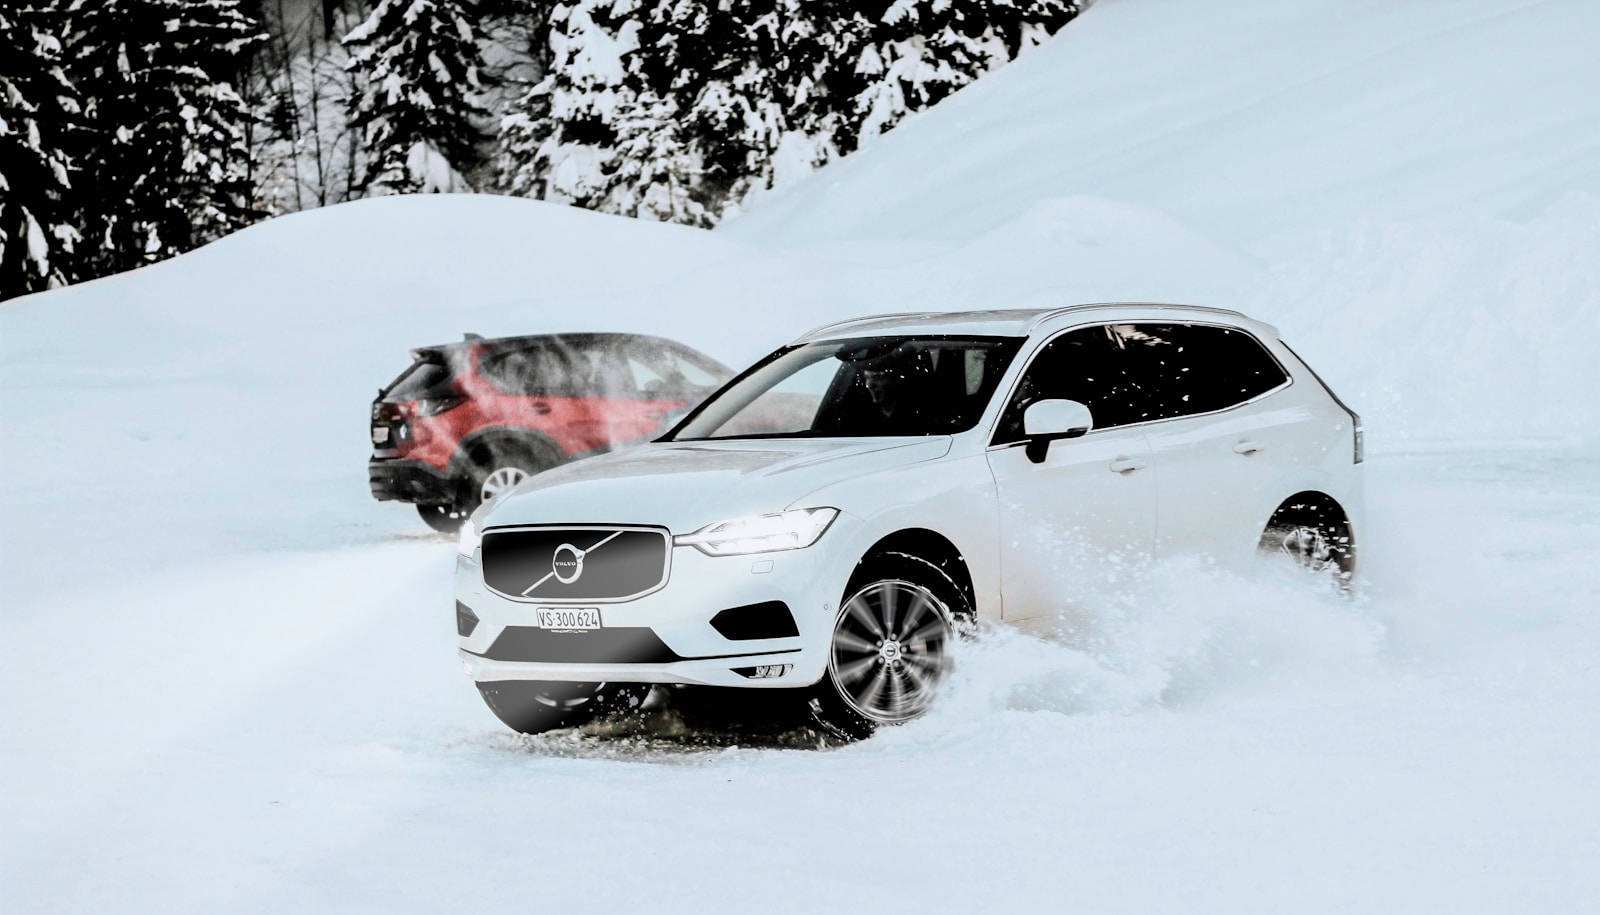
x: 835, y: 325
x: 1058, y: 312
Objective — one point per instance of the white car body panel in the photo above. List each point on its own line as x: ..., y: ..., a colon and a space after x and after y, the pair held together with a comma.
x: 1046, y: 539
x: 1023, y: 530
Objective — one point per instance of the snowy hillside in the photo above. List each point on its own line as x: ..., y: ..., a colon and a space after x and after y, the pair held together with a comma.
x: 229, y: 678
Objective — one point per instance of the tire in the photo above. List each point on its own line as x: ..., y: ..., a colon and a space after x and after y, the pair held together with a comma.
x: 536, y: 706
x: 1315, y: 538
x: 879, y: 672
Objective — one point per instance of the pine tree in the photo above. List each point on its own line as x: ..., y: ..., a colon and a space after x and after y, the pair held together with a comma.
x: 920, y: 51
x: 165, y: 168
x: 681, y: 109
x: 731, y: 98
x: 562, y: 142
x: 420, y: 60
x: 38, y: 111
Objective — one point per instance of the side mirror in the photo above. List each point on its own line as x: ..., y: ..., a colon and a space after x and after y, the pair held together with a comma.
x: 1048, y: 420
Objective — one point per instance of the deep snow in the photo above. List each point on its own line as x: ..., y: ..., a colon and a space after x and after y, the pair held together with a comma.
x: 228, y: 676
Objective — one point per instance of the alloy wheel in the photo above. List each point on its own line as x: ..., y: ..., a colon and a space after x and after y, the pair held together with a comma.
x: 890, y: 650
x: 1308, y: 547
x: 501, y: 481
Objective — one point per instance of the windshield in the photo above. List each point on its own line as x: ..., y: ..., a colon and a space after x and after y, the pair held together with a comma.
x: 870, y: 386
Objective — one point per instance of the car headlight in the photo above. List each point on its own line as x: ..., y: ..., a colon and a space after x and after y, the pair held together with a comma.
x: 470, y: 538
x: 790, y: 530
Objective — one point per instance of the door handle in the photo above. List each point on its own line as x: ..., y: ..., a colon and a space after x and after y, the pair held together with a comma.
x: 540, y: 408
x: 1247, y: 448
x: 1127, y: 465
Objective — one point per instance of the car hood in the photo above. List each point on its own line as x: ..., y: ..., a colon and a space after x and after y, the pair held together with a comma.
x: 687, y: 485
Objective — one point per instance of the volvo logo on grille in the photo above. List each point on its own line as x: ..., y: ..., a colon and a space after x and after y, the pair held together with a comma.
x: 567, y: 563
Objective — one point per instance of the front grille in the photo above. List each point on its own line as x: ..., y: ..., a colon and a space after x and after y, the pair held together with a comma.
x: 622, y: 645
x: 575, y: 563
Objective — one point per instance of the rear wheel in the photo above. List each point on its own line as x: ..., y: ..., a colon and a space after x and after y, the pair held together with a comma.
x: 536, y: 706
x: 890, y: 650
x: 495, y: 469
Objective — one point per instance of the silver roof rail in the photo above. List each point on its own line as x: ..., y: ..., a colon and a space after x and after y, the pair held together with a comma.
x: 1040, y: 318
x: 836, y: 325
x: 1059, y: 312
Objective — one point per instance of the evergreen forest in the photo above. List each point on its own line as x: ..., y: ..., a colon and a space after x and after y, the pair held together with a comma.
x: 135, y: 130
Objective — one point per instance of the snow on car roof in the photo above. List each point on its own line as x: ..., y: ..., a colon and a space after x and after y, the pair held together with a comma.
x: 1016, y: 322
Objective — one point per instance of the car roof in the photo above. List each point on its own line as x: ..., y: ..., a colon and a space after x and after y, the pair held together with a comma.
x: 529, y: 339
x: 1020, y: 322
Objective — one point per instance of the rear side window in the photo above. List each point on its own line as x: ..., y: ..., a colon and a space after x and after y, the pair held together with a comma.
x: 541, y: 370
x: 1188, y: 369
x: 1135, y: 373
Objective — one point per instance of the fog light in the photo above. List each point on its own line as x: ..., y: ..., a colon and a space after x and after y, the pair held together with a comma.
x: 764, y: 672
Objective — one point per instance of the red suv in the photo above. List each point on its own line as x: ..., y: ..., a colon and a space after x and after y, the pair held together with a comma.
x: 468, y: 421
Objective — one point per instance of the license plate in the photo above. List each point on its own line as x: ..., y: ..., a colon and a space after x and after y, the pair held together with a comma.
x: 574, y: 618
x: 380, y: 434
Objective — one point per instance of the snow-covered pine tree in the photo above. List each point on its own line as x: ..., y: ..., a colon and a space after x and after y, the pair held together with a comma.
x: 728, y: 92
x: 38, y: 111
x: 1023, y: 24
x: 920, y: 51
x: 561, y: 142
x: 818, y: 43
x: 164, y: 168
x: 420, y: 60
x: 305, y: 150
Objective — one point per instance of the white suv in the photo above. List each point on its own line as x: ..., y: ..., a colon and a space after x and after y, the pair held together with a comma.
x: 830, y: 518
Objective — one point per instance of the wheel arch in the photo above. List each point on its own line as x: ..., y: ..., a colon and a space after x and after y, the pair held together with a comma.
x: 1316, y: 505
x: 1313, y: 502
x: 477, y: 447
x: 931, y: 547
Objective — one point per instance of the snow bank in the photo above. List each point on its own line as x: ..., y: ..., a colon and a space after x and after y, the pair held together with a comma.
x: 1244, y: 121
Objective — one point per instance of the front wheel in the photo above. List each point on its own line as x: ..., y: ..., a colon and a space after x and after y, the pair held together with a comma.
x: 890, y: 650
x: 536, y: 706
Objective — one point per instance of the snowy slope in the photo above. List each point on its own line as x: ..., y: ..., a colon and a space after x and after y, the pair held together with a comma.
x: 1246, y: 121
x: 1417, y: 186
x: 228, y: 677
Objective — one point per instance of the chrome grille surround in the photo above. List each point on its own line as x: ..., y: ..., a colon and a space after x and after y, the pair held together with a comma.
x: 576, y: 563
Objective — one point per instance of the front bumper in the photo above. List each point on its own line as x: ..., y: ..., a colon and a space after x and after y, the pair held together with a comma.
x: 674, y: 635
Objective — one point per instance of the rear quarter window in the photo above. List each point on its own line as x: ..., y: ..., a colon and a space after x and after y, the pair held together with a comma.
x: 432, y: 374
x: 1188, y: 369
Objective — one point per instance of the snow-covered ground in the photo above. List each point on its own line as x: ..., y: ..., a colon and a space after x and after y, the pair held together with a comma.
x: 228, y: 676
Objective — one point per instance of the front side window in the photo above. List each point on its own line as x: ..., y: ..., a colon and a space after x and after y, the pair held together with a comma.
x: 870, y: 386
x: 662, y: 370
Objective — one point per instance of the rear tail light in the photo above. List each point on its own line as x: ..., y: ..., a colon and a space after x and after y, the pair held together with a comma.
x: 1361, y: 439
